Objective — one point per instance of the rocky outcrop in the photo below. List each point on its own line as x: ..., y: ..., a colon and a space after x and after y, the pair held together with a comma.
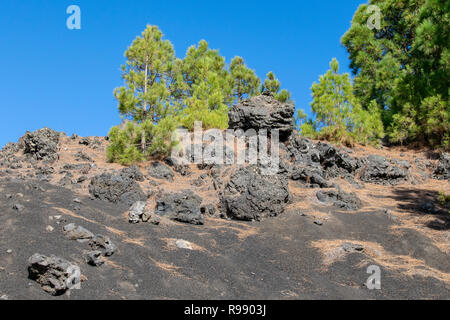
x: 54, y: 274
x: 182, y: 207
x: 120, y: 187
x: 41, y: 144
x: 314, y: 164
x: 381, y: 171
x: 263, y: 112
x: 442, y: 171
x: 249, y: 195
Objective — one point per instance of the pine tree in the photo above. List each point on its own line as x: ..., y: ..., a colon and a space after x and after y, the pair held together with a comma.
x: 339, y: 115
x: 403, y: 65
x: 205, y: 88
x: 273, y: 85
x: 148, y: 76
x: 245, y: 82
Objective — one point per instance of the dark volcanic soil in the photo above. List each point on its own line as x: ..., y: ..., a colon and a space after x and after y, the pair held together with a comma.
x: 273, y: 259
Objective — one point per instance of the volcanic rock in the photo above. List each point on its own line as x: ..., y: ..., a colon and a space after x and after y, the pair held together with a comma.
x: 249, y: 195
x: 340, y: 199
x: 41, y: 144
x: 183, y: 207
x: 118, y: 187
x: 442, y: 171
x: 54, y: 274
x: 263, y: 112
x: 378, y: 170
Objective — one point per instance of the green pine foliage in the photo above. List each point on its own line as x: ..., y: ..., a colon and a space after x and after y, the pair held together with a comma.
x: 273, y: 86
x: 162, y: 92
x: 245, y: 81
x: 124, y: 146
x: 339, y: 116
x: 405, y: 67
x: 443, y: 198
x: 148, y: 77
x: 205, y: 88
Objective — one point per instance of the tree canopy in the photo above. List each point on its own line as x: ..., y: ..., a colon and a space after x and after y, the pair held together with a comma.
x: 405, y: 67
x: 162, y: 92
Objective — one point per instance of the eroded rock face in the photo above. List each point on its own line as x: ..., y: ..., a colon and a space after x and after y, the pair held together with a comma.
x: 442, y: 171
x: 119, y: 187
x: 263, y: 112
x: 251, y: 196
x: 340, y: 199
x: 380, y: 171
x: 183, y: 207
x: 54, y: 274
x: 41, y: 144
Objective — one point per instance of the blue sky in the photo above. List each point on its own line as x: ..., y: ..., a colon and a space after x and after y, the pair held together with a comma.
x: 64, y: 79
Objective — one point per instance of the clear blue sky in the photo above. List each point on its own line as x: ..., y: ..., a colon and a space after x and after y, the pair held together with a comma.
x: 64, y: 79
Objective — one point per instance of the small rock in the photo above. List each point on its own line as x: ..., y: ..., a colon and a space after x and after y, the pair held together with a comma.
x: 155, y: 220
x: 4, y: 297
x: 85, y: 141
x: 94, y: 258
x: 76, y: 200
x: 183, y: 244
x: 146, y: 216
x: 136, y: 211
x: 104, y: 243
x: 428, y: 207
x: 351, y: 247
x: 318, y: 222
x: 74, y: 232
x: 18, y: 207
x: 49, y: 229
x: 9, y: 251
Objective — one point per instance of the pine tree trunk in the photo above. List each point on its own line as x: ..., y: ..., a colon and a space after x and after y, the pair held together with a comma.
x: 144, y: 115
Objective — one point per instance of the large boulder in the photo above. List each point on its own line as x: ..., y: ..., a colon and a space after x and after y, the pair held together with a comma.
x: 183, y: 207
x: 41, y: 144
x: 442, y: 171
x: 54, y: 274
x: 263, y: 112
x: 119, y: 187
x: 249, y: 195
x: 380, y: 171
